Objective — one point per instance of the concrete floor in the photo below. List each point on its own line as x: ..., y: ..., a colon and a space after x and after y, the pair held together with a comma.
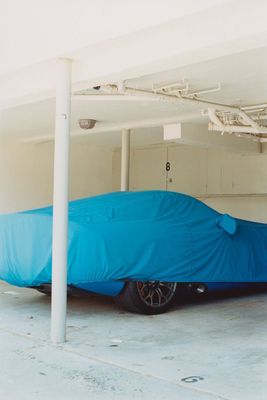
x: 111, y: 354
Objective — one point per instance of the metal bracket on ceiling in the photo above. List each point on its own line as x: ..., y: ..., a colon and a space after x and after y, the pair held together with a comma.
x: 185, y: 88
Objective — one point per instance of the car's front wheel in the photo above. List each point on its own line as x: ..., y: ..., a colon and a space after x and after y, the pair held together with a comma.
x: 151, y: 297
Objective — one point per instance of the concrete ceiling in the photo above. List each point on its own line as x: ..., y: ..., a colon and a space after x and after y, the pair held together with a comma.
x: 243, y: 77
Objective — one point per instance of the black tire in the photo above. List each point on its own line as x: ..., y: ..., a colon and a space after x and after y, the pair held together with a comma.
x: 134, y: 297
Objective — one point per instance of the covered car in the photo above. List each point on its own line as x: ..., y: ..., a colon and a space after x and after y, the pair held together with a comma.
x: 150, y: 236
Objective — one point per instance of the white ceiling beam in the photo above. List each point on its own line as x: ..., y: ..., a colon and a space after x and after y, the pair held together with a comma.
x: 193, y: 134
x: 115, y: 127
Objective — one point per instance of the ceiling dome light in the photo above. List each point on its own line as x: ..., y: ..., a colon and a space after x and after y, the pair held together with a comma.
x: 87, y: 123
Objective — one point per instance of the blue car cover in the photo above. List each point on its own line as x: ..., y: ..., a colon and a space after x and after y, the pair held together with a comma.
x: 151, y: 235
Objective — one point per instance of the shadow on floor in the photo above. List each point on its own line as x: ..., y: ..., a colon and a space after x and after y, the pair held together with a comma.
x: 82, y: 301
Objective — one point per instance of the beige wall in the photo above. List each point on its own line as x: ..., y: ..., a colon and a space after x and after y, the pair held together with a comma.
x: 229, y: 182
x: 26, y: 173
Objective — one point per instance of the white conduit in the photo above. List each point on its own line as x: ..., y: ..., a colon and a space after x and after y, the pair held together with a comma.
x: 260, y: 116
x: 120, y: 92
x: 217, y: 125
x: 254, y: 107
x: 235, y: 129
x: 253, y: 128
x: 169, y: 98
x: 249, y: 120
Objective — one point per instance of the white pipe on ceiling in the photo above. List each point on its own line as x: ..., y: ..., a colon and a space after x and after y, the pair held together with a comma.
x: 260, y: 117
x: 254, y: 107
x: 169, y: 98
x: 217, y: 125
x: 122, y: 93
x: 234, y: 129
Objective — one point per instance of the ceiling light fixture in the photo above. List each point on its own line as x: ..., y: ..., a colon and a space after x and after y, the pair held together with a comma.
x: 87, y: 123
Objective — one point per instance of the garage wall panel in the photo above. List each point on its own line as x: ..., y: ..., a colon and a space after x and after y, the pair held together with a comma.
x: 249, y: 174
x: 149, y: 169
x: 230, y: 182
x: 188, y: 173
x: 214, y: 171
x: 252, y: 207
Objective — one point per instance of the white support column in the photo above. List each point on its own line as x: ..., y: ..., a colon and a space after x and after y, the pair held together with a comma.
x: 60, y: 202
x: 125, y: 159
